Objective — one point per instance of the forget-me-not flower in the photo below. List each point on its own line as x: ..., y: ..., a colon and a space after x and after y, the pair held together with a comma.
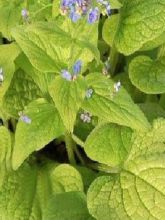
x: 24, y: 118
x: 86, y: 117
x: 1, y: 75
x: 89, y: 93
x: 93, y: 15
x: 117, y: 86
x: 66, y: 75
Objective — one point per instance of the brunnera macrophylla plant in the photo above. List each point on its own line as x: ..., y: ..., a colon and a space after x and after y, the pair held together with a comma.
x: 82, y: 109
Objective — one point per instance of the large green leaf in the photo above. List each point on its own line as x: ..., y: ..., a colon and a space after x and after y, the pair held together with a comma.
x: 147, y: 108
x: 65, y: 45
x: 113, y: 106
x: 21, y: 92
x: 68, y: 97
x: 5, y: 152
x: 40, y: 78
x: 137, y: 192
x: 141, y: 21
x: 67, y: 206
x: 26, y: 192
x: 147, y: 74
x: 8, y: 54
x: 10, y: 16
x: 110, y: 28
x: 109, y: 144
x: 68, y: 178
x: 45, y: 125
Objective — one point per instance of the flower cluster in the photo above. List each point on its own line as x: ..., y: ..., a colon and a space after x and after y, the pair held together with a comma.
x: 76, y: 69
x: 78, y: 8
x: 1, y: 75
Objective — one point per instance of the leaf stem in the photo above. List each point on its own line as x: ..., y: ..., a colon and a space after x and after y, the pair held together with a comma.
x: 114, y: 55
x: 103, y: 168
x: 70, y: 147
x: 161, y: 51
x: 78, y: 141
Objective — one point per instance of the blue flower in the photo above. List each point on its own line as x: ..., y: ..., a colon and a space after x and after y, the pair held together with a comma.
x: 1, y: 75
x: 25, y: 13
x: 93, y: 15
x: 74, y: 16
x: 89, y: 93
x: 77, y: 67
x: 108, y: 9
x: 66, y: 75
x: 117, y: 86
x: 24, y: 118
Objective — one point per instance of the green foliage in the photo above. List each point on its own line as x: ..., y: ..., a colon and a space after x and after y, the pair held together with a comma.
x: 68, y: 97
x: 137, y: 191
x: 148, y: 75
x: 82, y: 110
x: 113, y: 107
x: 34, y: 136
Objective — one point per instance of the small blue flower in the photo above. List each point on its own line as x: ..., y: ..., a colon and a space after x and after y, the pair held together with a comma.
x: 117, y: 86
x: 108, y: 9
x: 1, y: 75
x: 86, y: 117
x: 77, y: 67
x: 24, y: 118
x: 89, y: 93
x: 93, y: 15
x: 25, y: 13
x: 66, y: 75
x: 74, y: 16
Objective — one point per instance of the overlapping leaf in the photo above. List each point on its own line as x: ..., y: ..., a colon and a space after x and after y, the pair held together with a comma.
x: 26, y: 192
x: 65, y: 44
x: 8, y: 53
x: 45, y: 125
x: 21, y: 92
x: 66, y: 206
x: 113, y: 106
x: 68, y: 97
x: 109, y: 144
x: 137, y: 192
x: 141, y: 21
x: 148, y: 75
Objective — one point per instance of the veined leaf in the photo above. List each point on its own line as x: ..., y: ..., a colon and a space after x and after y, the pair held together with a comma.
x: 116, y: 107
x: 62, y: 49
x: 8, y: 52
x: 45, y: 125
x: 137, y: 192
x: 5, y: 153
x: 67, y: 177
x: 26, y: 192
x: 10, y: 16
x: 110, y: 28
x: 147, y: 74
x: 141, y: 21
x: 109, y: 144
x: 68, y: 97
x: 21, y: 92
x: 66, y: 206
